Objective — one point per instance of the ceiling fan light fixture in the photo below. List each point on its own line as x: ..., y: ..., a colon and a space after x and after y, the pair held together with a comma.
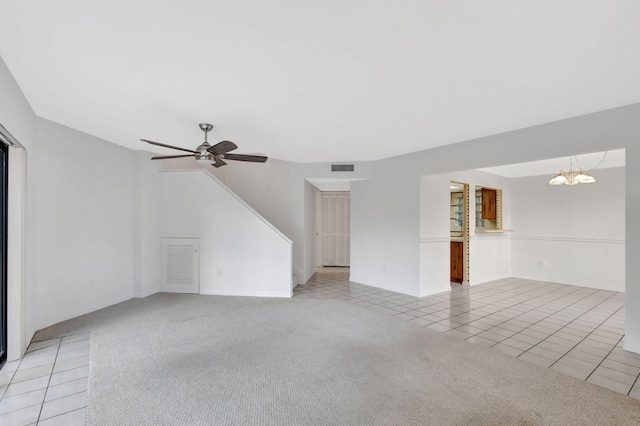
x: 205, y: 159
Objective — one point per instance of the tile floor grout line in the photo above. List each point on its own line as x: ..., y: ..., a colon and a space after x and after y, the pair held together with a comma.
x: 10, y: 380
x: 634, y: 382
x: 533, y: 309
x: 564, y: 326
x: 585, y: 337
x: 494, y: 312
x: 44, y: 399
x: 523, y: 313
x: 603, y: 359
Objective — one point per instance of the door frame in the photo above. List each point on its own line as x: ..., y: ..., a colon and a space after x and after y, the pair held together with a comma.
x: 4, y: 190
x: 319, y: 226
x: 465, y: 229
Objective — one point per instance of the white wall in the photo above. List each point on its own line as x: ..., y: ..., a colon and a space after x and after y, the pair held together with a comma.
x: 387, y: 243
x: 632, y: 242
x: 381, y: 231
x: 81, y: 224
x: 278, y: 191
x: 489, y: 254
x: 273, y: 190
x: 240, y: 254
x: 146, y: 202
x: 385, y: 228
x: 70, y: 222
x: 571, y: 234
x: 19, y: 119
x: 310, y: 220
x: 435, y: 234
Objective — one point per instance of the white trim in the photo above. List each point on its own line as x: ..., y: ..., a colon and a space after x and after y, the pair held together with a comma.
x: 335, y: 192
x: 147, y: 294
x: 295, y: 270
x: 435, y: 240
x: 7, y: 137
x: 17, y: 339
x: 85, y: 310
x: 628, y: 348
x: 234, y: 195
x: 187, y: 236
x: 477, y: 237
x: 569, y: 239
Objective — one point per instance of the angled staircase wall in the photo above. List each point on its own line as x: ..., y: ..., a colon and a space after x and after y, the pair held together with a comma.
x: 240, y: 252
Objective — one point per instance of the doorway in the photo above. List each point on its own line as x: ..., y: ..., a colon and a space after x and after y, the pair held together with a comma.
x: 459, y: 232
x: 335, y: 212
x: 3, y: 252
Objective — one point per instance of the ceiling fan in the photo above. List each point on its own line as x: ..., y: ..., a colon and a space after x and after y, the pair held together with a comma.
x: 207, y: 154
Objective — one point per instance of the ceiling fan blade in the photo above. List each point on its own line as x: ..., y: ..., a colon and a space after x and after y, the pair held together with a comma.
x: 244, y: 157
x: 222, y: 147
x: 165, y: 157
x: 218, y: 163
x: 167, y: 146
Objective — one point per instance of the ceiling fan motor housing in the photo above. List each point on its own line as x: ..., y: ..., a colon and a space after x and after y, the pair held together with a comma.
x: 202, y: 153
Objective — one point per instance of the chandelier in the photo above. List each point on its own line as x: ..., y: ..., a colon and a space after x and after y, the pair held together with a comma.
x: 574, y: 177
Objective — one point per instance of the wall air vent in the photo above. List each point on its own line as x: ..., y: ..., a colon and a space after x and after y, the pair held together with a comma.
x: 342, y: 167
x: 180, y: 265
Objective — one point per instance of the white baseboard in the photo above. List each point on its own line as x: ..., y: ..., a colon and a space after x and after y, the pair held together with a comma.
x: 629, y: 348
x: 146, y: 293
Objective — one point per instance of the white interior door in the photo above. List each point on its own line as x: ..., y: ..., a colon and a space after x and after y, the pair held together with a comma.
x: 335, y: 211
x: 180, y: 265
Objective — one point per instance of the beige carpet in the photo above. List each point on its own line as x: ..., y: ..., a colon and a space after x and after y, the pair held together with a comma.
x: 207, y: 360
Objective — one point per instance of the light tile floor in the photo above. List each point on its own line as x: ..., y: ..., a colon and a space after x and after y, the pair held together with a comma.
x: 573, y: 330
x: 48, y: 386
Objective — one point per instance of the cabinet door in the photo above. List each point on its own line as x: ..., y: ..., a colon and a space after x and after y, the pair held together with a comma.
x: 457, y: 261
x: 488, y: 203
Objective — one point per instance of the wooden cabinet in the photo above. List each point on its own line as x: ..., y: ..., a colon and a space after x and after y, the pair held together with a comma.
x: 489, y: 204
x: 457, y: 261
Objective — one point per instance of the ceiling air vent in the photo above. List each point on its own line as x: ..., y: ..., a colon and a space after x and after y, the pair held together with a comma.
x: 342, y: 167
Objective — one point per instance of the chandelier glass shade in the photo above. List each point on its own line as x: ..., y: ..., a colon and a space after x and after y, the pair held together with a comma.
x: 572, y: 177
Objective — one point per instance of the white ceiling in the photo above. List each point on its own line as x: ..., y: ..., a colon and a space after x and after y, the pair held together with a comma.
x: 319, y: 80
